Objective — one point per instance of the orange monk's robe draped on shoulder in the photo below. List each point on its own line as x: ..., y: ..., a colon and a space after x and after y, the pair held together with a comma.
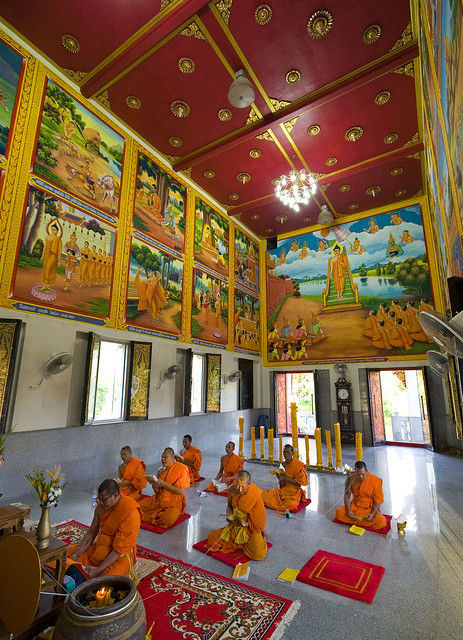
x: 192, y: 454
x: 250, y: 503
x: 231, y: 466
x: 118, y: 531
x: 164, y: 508
x: 364, y: 494
x: 288, y: 497
x: 134, y: 472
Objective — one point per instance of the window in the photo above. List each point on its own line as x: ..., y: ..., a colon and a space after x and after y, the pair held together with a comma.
x: 106, y: 380
x: 202, y: 383
x: 197, y: 383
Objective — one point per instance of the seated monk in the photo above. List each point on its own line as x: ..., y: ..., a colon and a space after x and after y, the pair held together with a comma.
x: 289, y: 494
x: 168, y: 502
x: 245, y: 521
x: 191, y: 457
x: 109, y: 546
x: 230, y: 464
x: 367, y: 495
x: 131, y: 475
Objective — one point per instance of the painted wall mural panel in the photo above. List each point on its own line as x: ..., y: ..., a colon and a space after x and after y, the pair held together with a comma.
x: 10, y: 70
x: 211, y: 238
x: 78, y: 152
x: 246, y: 261
x: 246, y: 321
x: 209, y: 315
x: 160, y: 205
x: 365, y: 279
x: 65, y: 257
x: 154, y: 292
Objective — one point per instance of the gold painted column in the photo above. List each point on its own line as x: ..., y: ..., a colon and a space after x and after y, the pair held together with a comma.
x: 262, y: 442
x: 253, y: 443
x: 358, y: 446
x: 307, y: 450
x: 328, y: 448
x: 293, y: 408
x: 318, y: 442
x: 270, y: 445
x: 337, y: 444
x: 241, y: 435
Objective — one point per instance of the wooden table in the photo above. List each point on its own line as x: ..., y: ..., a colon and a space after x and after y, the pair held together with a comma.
x: 11, y: 520
x: 56, y: 551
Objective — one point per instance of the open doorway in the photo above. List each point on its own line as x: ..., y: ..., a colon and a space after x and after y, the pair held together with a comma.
x: 399, y: 407
x: 299, y: 388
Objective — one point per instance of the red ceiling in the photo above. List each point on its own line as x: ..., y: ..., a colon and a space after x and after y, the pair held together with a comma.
x: 133, y: 48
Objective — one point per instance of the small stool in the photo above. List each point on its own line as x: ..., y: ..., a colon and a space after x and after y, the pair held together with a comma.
x: 11, y: 520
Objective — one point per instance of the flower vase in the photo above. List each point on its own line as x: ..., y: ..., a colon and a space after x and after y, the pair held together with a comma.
x: 43, y: 530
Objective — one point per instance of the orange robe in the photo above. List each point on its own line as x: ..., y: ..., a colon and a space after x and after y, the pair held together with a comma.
x: 288, y: 497
x: 250, y: 503
x: 134, y: 472
x: 231, y: 466
x: 364, y: 494
x: 192, y: 454
x: 118, y: 531
x: 164, y: 508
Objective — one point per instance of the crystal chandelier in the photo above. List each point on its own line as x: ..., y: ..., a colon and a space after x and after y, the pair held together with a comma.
x: 296, y: 188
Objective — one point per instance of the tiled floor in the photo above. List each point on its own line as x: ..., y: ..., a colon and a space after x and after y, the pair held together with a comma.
x: 421, y: 593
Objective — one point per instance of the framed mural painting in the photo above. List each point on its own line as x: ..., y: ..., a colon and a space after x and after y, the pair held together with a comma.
x: 11, y: 64
x: 246, y: 261
x: 246, y: 321
x: 209, y: 314
x: 9, y: 339
x: 211, y: 238
x: 366, y: 279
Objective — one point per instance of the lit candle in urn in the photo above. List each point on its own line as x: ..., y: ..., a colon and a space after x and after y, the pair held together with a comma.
x: 101, y: 597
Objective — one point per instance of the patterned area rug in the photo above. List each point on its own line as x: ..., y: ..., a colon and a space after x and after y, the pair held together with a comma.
x: 186, y: 602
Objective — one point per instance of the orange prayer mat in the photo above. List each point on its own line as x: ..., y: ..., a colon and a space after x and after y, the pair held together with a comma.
x: 359, y: 524
x: 231, y: 559
x: 345, y: 576
x: 155, y: 529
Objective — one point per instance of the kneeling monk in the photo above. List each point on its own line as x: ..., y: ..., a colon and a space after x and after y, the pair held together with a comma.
x: 230, y: 464
x: 246, y: 521
x: 168, y: 503
x: 131, y: 474
x: 367, y: 495
x: 290, y: 493
x: 109, y: 546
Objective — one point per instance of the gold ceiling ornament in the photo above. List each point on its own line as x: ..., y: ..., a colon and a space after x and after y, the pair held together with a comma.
x: 225, y: 115
x: 233, y: 196
x: 353, y: 134
x: 175, y: 142
x: 255, y: 216
x: 165, y: 3
x: 324, y: 187
x: 397, y: 171
x: 227, y: 207
x: 263, y: 14
x: 255, y: 153
x: 209, y: 173
x: 253, y: 116
x: 353, y: 206
x: 372, y: 191
x: 406, y: 69
x: 405, y: 38
x: 223, y: 7
x: 171, y: 159
x: 180, y: 108
x: 193, y: 31
x: 70, y: 43
x: 305, y: 219
x: 274, y: 181
x: 390, y: 138
x: 319, y: 176
x: 414, y: 140
x: 133, y: 102
x: 331, y: 161
x: 281, y: 218
x: 77, y: 76
x: 289, y: 124
x: 371, y: 34
x: 186, y: 65
x: 415, y: 156
x: 103, y: 99
x: 187, y: 172
x: 400, y: 192
x: 313, y: 130
x: 382, y: 97
x: 293, y: 76
x: 269, y: 230
x: 243, y: 177
x: 344, y: 187
x: 319, y: 24
x: 279, y: 104
x: 265, y: 136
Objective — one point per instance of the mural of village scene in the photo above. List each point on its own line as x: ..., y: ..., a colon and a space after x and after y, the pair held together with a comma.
x: 211, y: 238
x: 363, y: 282
x: 159, y: 210
x: 154, y: 292
x: 10, y: 65
x: 78, y: 152
x: 246, y: 261
x: 209, y: 315
x: 246, y: 321
x: 65, y: 257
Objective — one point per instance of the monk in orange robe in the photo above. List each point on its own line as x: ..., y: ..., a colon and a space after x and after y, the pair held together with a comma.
x: 289, y: 494
x: 168, y: 503
x: 367, y: 495
x: 109, y: 546
x: 131, y: 475
x: 191, y: 457
x: 230, y: 464
x: 245, y: 521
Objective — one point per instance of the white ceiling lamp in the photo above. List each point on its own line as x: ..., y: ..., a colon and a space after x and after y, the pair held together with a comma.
x: 241, y: 93
x: 295, y: 188
x: 325, y: 216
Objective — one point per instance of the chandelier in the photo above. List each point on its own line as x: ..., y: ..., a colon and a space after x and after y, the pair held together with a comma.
x: 296, y: 188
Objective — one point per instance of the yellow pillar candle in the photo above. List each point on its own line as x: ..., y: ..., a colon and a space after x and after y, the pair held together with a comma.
x: 241, y: 436
x: 328, y: 448
x: 307, y: 450
x: 358, y: 446
x: 318, y: 442
x: 270, y: 445
x: 280, y: 438
x: 293, y: 408
x: 337, y: 444
x: 253, y: 443
x: 262, y: 442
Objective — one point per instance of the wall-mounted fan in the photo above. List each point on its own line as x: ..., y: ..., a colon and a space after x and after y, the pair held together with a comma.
x: 54, y: 365
x: 447, y: 333
x: 340, y: 368
x: 438, y: 362
x: 234, y: 376
x: 169, y: 374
